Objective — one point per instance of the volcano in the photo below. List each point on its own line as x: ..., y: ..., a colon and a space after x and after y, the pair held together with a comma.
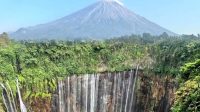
x: 102, y: 20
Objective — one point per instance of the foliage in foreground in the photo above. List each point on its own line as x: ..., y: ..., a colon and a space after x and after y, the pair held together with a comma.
x: 38, y: 65
x: 188, y: 95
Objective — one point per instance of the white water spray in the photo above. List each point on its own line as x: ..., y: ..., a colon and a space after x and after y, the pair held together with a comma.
x: 22, y: 106
x: 110, y: 92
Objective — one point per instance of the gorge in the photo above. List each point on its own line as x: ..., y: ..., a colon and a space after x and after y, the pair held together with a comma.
x: 128, y: 91
x: 114, y: 92
x: 102, y: 58
x: 62, y: 76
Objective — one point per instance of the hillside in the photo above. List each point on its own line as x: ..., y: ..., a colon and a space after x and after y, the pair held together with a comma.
x: 102, y: 20
x: 39, y: 65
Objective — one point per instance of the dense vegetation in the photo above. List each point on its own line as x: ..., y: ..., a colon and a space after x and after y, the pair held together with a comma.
x: 188, y: 95
x: 38, y: 65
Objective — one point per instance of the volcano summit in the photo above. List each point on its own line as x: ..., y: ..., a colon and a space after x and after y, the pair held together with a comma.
x: 102, y: 20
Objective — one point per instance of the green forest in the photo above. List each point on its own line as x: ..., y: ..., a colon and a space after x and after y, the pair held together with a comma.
x: 38, y: 65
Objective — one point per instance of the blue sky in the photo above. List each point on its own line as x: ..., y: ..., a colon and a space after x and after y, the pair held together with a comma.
x: 179, y: 16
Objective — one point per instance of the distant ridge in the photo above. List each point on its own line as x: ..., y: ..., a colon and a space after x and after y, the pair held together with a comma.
x: 102, y: 20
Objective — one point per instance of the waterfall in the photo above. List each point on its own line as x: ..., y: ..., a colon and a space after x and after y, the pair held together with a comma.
x: 8, y: 98
x: 133, y: 90
x: 12, y: 97
x: 22, y: 106
x: 8, y: 102
x: 109, y: 92
x: 92, y: 93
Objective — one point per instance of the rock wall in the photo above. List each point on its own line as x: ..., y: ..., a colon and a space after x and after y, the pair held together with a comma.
x: 130, y: 91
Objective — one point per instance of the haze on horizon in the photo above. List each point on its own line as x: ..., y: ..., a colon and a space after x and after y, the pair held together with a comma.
x: 180, y: 16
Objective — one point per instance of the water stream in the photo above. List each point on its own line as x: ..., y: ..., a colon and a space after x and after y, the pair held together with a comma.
x: 110, y: 92
x: 22, y: 106
x: 9, y: 100
x: 128, y: 91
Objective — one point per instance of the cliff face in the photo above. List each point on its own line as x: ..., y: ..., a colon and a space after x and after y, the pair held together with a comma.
x: 155, y: 94
x: 113, y: 92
